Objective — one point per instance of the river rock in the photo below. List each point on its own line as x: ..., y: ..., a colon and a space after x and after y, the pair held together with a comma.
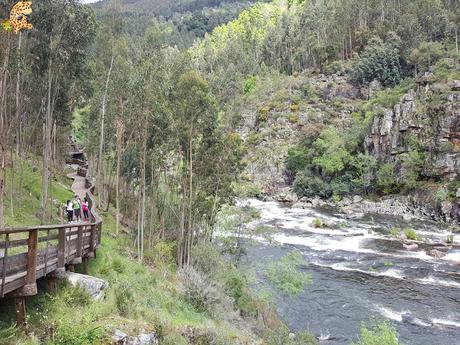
x: 357, y: 199
x: 407, y: 217
x: 437, y: 254
x: 355, y: 215
x: 286, y: 197
x: 96, y: 287
x: 120, y: 338
x: 411, y: 247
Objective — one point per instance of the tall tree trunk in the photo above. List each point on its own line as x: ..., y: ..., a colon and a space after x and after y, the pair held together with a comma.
x: 190, y: 198
x: 18, y: 98
x: 143, y: 160
x: 46, y: 145
x: 120, y: 131
x: 456, y: 39
x: 3, y: 127
x: 103, y: 111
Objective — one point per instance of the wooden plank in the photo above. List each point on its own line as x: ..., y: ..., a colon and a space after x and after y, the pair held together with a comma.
x: 24, y: 242
x: 5, y: 257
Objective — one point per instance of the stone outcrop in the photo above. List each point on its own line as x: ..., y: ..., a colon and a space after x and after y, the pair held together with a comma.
x: 94, y: 286
x: 437, y: 131
x: 121, y: 338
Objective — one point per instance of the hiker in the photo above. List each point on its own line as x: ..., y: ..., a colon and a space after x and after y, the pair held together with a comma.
x: 85, y: 208
x: 69, y: 209
x: 77, y: 208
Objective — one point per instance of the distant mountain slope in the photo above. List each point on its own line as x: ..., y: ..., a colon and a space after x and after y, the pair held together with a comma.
x: 167, y: 8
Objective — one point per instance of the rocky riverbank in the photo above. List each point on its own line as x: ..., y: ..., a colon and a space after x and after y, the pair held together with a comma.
x: 406, y: 206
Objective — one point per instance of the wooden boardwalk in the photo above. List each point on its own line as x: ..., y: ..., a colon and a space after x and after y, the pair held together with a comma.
x: 30, y: 253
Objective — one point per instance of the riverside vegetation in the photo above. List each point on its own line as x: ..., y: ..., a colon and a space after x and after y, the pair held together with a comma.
x: 184, y: 107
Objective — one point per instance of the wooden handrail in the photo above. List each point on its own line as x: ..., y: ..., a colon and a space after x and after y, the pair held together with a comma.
x: 64, y: 244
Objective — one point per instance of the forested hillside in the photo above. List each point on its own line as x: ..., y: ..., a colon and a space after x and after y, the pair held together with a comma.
x: 184, y: 108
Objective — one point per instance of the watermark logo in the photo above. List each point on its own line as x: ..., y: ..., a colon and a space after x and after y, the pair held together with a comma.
x: 19, y: 19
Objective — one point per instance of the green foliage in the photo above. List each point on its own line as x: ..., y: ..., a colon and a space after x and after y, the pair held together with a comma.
x: 285, y: 276
x: 333, y: 155
x: 426, y: 55
x: 388, y: 263
x: 379, y: 61
x: 75, y: 296
x: 412, y: 163
x: 319, y: 223
x: 123, y: 299
x: 250, y: 85
x: 394, y: 232
x: 378, y: 334
x: 442, y: 194
x: 386, y: 178
x: 411, y: 234
x: 262, y: 115
x: 389, y: 97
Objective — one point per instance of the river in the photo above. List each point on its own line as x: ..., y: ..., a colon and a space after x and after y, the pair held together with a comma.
x: 359, y: 272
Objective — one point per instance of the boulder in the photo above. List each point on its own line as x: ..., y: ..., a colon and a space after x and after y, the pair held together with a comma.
x: 357, y: 199
x: 147, y: 339
x: 120, y: 338
x: 407, y: 217
x: 355, y: 215
x: 96, y: 287
x: 437, y: 254
x: 456, y: 85
x: 411, y: 247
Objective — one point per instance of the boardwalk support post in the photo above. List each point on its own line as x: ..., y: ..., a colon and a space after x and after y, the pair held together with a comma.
x: 85, y: 265
x: 30, y: 289
x: 20, y: 308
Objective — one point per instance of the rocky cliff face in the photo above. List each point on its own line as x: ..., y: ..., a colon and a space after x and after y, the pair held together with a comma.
x: 429, y: 119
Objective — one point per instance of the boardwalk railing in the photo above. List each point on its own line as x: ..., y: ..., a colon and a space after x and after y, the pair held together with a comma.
x: 30, y: 253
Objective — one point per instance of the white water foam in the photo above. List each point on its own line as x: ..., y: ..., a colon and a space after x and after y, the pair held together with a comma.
x: 349, y: 244
x: 449, y: 323
x: 390, y: 314
x: 435, y: 281
x: 398, y: 316
x: 454, y: 256
x: 392, y: 272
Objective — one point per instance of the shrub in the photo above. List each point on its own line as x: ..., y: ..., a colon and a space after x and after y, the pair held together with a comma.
x: 309, y: 90
x: 294, y: 108
x: 388, y: 263
x: 123, y: 299
x: 249, y: 85
x: 294, y: 118
x: 206, y: 259
x: 75, y: 296
x: 203, y: 294
x: 318, y: 223
x: 394, y: 232
x: 285, y: 275
x: 118, y: 266
x: 450, y: 239
x: 410, y: 234
x: 386, y: 178
x: 262, y: 115
x: 379, y: 61
x: 442, y: 194
x: 378, y: 334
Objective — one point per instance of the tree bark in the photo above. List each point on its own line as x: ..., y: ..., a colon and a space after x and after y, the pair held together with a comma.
x: 103, y: 111
x: 120, y: 131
